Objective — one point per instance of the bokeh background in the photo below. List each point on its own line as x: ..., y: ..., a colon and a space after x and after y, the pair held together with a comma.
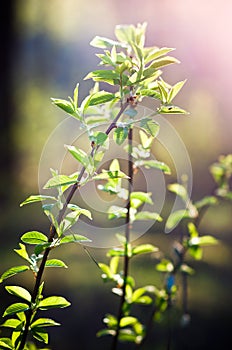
x: 44, y: 52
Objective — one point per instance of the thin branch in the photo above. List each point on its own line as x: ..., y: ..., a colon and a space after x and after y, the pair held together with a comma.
x: 53, y: 232
x: 127, y: 236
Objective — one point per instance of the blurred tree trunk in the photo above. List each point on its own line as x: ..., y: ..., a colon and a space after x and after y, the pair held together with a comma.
x: 7, y: 40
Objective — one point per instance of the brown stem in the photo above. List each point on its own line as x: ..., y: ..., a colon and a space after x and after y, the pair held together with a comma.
x: 127, y: 236
x: 53, y: 233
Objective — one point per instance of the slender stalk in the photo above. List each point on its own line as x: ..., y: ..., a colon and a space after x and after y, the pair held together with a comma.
x: 53, y: 232
x: 127, y: 236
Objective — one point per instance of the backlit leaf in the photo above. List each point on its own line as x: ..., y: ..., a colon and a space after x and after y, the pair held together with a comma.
x: 11, y: 323
x: 101, y: 97
x: 44, y: 322
x: 15, y: 308
x: 74, y: 238
x: 104, y: 43
x: 53, y: 302
x: 22, y: 252
x: 37, y: 198
x: 59, y: 180
x: 147, y: 215
x: 34, y: 237
x: 144, y: 249
x: 164, y: 61
x: 78, y: 154
x: 19, y: 292
x: 120, y: 135
x: 13, y: 271
x: 55, y: 263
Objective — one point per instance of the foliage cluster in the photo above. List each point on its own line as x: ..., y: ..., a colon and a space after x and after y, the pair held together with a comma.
x: 133, y: 72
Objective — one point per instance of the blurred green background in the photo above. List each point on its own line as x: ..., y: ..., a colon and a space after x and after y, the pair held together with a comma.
x: 44, y: 52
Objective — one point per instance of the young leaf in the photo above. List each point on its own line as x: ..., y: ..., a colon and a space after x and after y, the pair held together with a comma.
x: 120, y: 135
x: 75, y: 96
x: 78, y: 154
x: 174, y: 90
x: 164, y: 61
x: 154, y: 164
x: 44, y: 322
x: 53, y: 302
x: 108, y: 76
x: 6, y: 343
x: 165, y: 266
x: 60, y: 180
x: 23, y: 252
x: 11, y: 323
x: 151, y: 127
x: 19, y: 292
x: 34, y: 237
x: 40, y: 334
x: 99, y: 138
x: 144, y: 249
x: 37, y: 198
x: 179, y: 190
x: 55, y: 263
x: 15, y: 308
x: 175, y: 217
x: 101, y: 97
x: 170, y: 109
x: 144, y: 197
x: 74, y: 238
x: 66, y: 106
x: 147, y: 215
x: 128, y: 321
x: 156, y: 53
x: 104, y: 43
x: 13, y: 271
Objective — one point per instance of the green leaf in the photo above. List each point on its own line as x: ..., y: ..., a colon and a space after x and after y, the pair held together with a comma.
x: 170, y: 109
x: 115, y: 212
x: 154, y: 164
x: 108, y: 174
x: 37, y: 198
x: 144, y: 249
x: 13, y: 271
x: 74, y: 238
x: 44, y: 322
x: 165, y: 266
x: 107, y: 76
x: 53, y: 302
x: 156, y: 53
x: 19, y: 292
x: 101, y: 97
x: 55, y: 263
x: 120, y: 135
x: 175, y: 217
x: 63, y: 104
x: 104, y: 43
x: 75, y: 96
x: 144, y: 197
x: 99, y: 138
x: 78, y: 154
x: 34, y: 237
x: 80, y: 211
x: 187, y: 269
x: 60, y: 180
x: 179, y: 190
x: 128, y: 321
x: 107, y: 273
x: 164, y: 61
x: 206, y: 201
x: 174, y: 90
x: 15, y: 308
x: 6, y: 343
x: 147, y: 215
x: 150, y: 126
x: 40, y: 334
x: 125, y: 33
x: 145, y: 140
x: 23, y: 252
x: 11, y: 323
